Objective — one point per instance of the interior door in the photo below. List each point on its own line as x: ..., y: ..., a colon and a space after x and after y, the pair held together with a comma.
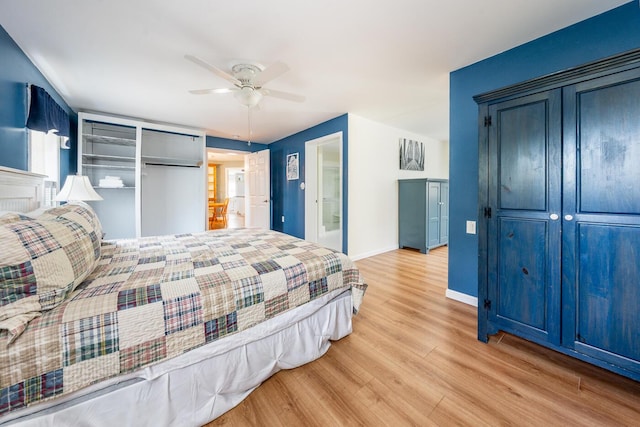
x: 323, y: 193
x: 601, y: 233
x: 523, y: 240
x: 258, y: 190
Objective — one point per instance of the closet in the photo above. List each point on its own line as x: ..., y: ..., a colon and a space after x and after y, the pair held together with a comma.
x: 151, y: 176
x: 423, y: 213
x: 559, y: 198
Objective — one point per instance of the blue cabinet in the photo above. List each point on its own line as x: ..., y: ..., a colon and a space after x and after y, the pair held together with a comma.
x: 559, y: 235
x: 423, y: 213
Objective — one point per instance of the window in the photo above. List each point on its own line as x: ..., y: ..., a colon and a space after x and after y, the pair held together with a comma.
x: 44, y: 158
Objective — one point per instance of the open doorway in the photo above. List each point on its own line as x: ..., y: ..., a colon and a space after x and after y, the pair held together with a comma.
x: 225, y: 188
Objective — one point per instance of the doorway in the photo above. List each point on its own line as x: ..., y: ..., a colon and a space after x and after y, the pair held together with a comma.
x: 226, y: 167
x: 323, y: 194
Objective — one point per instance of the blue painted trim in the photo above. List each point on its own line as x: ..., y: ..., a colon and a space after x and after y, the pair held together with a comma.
x: 612, y: 32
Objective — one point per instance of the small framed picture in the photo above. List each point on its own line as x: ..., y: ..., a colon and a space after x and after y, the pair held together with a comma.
x: 293, y: 166
x: 411, y: 155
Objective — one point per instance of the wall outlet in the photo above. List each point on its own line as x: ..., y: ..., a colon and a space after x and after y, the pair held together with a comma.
x: 282, y: 218
x: 471, y: 227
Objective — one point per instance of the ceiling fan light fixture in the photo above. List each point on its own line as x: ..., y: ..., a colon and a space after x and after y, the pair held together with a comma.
x: 248, y: 96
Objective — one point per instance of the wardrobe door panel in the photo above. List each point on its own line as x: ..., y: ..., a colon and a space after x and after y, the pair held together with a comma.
x: 609, y: 124
x: 608, y: 293
x: 523, y: 234
x: 522, y: 157
x: 522, y: 296
x: 601, y: 226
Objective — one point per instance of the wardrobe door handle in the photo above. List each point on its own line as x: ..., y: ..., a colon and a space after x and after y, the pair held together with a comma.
x: 568, y: 217
x: 554, y: 216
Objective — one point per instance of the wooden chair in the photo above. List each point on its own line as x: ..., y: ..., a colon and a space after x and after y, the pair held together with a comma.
x: 218, y: 218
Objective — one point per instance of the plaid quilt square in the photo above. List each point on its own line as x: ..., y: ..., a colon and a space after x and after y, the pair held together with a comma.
x: 131, y: 298
x: 248, y: 292
x: 206, y: 263
x: 89, y: 337
x: 224, y: 325
x: 266, y: 266
x: 332, y: 263
x: 142, y: 354
x: 18, y: 281
x: 182, y: 312
x: 296, y: 276
x: 12, y: 398
x: 318, y: 287
x: 43, y: 386
x: 276, y: 306
x: 152, y: 259
x: 35, y: 238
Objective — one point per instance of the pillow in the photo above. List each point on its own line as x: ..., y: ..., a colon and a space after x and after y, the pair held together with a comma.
x: 43, y: 260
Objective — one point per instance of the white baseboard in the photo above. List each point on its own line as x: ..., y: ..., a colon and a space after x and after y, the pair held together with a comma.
x: 372, y: 253
x: 459, y: 296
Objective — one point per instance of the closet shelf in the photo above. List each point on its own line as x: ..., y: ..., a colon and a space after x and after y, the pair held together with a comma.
x: 121, y: 167
x: 171, y: 161
x: 108, y: 158
x: 99, y: 139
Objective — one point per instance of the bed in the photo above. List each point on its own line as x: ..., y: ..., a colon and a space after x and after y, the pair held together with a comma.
x: 164, y: 330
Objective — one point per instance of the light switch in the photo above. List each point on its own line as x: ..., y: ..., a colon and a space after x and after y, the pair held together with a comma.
x: 471, y: 227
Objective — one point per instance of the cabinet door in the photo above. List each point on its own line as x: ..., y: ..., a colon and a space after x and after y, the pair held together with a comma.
x: 412, y: 214
x: 601, y: 230
x: 433, y: 213
x: 523, y: 235
x: 444, y: 213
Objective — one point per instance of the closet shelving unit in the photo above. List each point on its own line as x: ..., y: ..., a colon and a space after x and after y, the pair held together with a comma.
x: 161, y: 166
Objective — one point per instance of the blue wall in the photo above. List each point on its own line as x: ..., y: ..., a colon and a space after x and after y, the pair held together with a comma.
x: 16, y: 70
x: 607, y: 34
x: 234, y: 144
x: 287, y: 197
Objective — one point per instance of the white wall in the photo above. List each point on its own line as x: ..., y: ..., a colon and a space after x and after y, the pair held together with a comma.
x: 373, y: 182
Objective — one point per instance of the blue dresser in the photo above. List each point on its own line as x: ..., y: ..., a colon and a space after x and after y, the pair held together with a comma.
x: 423, y: 213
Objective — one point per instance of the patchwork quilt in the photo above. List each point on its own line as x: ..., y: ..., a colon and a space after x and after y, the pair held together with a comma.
x: 154, y: 298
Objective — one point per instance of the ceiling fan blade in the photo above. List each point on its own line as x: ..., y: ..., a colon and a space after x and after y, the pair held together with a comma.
x: 271, y: 72
x: 215, y: 70
x: 283, y: 95
x: 209, y: 91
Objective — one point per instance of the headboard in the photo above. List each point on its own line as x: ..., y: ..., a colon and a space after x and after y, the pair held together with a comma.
x: 20, y: 191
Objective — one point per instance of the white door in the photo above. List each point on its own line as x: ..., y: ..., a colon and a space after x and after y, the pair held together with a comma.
x: 258, y: 190
x: 323, y: 193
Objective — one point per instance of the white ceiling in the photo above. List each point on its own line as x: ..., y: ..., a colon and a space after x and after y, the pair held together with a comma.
x: 385, y: 60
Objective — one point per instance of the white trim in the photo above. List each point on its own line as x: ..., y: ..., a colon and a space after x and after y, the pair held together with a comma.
x: 373, y: 253
x: 312, y: 174
x: 459, y: 296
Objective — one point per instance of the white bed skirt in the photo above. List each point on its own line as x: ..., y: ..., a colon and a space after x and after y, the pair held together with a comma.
x: 198, y: 386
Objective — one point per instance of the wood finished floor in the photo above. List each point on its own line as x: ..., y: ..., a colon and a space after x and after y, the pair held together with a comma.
x: 413, y: 359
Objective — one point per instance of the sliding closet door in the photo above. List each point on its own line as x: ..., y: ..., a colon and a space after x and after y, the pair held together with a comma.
x: 601, y: 230
x: 173, y: 183
x: 523, y: 233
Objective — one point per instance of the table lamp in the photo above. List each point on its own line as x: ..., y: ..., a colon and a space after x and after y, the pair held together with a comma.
x: 77, y: 188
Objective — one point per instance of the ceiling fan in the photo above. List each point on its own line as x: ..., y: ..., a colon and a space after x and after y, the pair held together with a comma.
x: 248, y: 81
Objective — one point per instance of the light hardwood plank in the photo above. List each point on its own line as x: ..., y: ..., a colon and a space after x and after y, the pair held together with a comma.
x: 413, y: 359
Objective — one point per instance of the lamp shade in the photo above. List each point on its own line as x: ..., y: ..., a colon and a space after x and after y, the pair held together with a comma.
x: 77, y: 187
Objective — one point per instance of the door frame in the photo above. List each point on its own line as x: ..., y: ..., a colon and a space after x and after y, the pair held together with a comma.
x: 311, y: 176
